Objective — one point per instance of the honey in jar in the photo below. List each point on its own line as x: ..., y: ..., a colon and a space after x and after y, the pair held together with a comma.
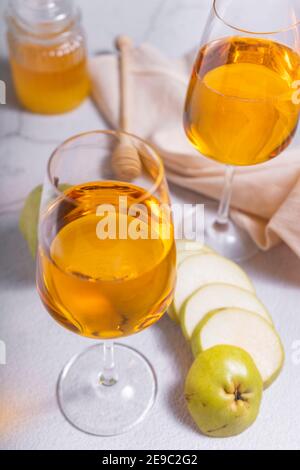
x: 47, y: 55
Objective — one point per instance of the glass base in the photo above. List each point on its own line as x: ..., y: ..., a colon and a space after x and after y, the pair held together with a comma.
x: 106, y: 410
x: 229, y: 239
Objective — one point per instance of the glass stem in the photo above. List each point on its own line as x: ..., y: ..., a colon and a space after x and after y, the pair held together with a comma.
x: 108, y: 375
x: 224, y: 207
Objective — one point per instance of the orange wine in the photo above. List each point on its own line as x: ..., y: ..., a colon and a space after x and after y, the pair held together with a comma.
x: 239, y: 108
x: 104, y: 288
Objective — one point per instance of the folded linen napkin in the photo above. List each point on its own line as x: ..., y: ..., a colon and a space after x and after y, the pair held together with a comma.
x: 266, y: 197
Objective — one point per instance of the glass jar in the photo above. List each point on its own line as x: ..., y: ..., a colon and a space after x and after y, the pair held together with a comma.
x: 47, y: 54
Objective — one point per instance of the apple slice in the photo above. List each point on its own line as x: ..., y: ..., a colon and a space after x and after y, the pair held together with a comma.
x: 186, y: 248
x: 246, y: 330
x: 200, y: 269
x: 186, y: 245
x: 182, y: 255
x: 215, y: 297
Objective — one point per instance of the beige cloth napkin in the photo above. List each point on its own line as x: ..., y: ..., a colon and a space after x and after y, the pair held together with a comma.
x: 266, y: 198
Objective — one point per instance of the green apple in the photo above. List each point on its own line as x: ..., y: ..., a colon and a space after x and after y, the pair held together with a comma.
x: 223, y: 391
x: 246, y: 330
x: 29, y: 217
x: 172, y: 314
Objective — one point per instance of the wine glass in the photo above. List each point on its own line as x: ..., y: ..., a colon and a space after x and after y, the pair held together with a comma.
x: 240, y: 107
x: 105, y: 270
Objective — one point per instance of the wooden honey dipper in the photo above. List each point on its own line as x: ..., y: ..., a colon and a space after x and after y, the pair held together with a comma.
x: 126, y: 162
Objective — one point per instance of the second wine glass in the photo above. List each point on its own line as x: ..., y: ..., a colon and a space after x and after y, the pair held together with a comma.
x: 239, y: 108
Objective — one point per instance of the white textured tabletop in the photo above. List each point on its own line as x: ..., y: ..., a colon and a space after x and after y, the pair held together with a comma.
x: 37, y: 348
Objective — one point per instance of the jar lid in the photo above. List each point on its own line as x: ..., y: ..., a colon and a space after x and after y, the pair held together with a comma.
x: 42, y: 17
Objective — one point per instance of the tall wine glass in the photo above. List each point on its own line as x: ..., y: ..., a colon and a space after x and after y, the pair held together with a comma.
x: 241, y: 106
x: 105, y: 270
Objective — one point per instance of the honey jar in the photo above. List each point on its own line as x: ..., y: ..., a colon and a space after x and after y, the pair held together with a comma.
x: 47, y: 52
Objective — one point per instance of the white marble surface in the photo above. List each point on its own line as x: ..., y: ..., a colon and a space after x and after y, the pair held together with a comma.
x: 37, y: 348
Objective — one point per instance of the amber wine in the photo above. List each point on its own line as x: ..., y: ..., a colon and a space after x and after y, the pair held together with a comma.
x: 239, y: 108
x: 103, y: 288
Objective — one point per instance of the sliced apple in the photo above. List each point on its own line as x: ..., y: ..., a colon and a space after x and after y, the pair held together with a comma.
x: 215, y: 297
x: 182, y: 255
x: 201, y: 269
x: 191, y: 245
x: 245, y: 330
x: 186, y: 248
